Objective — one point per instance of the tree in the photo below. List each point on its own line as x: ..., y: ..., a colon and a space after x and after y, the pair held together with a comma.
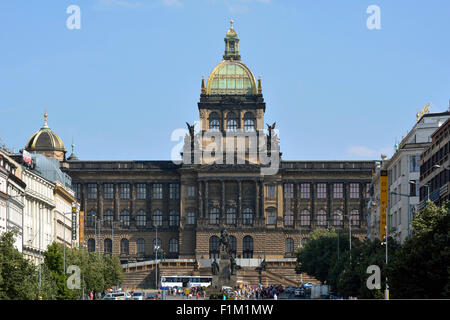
x: 421, y: 268
x: 320, y: 253
x: 19, y: 279
x: 54, y: 265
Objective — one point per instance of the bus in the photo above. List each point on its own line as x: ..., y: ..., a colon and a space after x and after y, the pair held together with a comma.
x: 184, y: 281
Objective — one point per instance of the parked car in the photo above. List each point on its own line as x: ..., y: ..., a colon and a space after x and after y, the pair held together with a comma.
x: 138, y: 295
x: 119, y: 296
x: 128, y: 296
x: 152, y: 297
x: 308, y: 285
x: 109, y: 296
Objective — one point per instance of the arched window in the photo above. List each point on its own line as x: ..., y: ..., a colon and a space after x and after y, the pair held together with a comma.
x: 321, y: 218
x: 141, y: 218
x: 107, y: 246
x: 232, y: 246
x: 91, y: 216
x: 174, y: 218
x: 288, y: 219
x: 124, y: 246
x: 305, y: 218
x: 231, y: 216
x: 231, y: 122
x: 247, y: 216
x: 91, y: 245
x: 354, y: 217
x: 214, y: 121
x: 173, y: 246
x: 125, y: 218
x: 289, y: 246
x: 214, y: 216
x: 108, y: 218
x: 214, y: 247
x: 338, y: 218
x: 157, y: 218
x: 249, y: 122
x: 140, y: 244
x: 248, y: 247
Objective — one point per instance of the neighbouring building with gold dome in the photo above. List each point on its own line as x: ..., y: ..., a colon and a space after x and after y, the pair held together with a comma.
x: 46, y: 142
x: 140, y: 209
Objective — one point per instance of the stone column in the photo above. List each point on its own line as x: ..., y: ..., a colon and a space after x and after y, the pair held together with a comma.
x: 239, y: 207
x: 297, y: 202
x: 256, y: 198
x: 261, y: 194
x: 116, y: 201
x: 100, y: 200
x: 206, y: 200
x: 149, y: 204
x: 222, y: 202
x: 313, y: 194
x: 200, y: 199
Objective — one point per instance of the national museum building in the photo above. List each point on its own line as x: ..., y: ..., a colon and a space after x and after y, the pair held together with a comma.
x: 131, y: 207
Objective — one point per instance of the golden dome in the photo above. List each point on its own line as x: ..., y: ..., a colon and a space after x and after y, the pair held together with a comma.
x: 45, y: 140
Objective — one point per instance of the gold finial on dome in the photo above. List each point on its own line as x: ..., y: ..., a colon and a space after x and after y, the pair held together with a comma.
x: 231, y: 32
x: 45, y: 119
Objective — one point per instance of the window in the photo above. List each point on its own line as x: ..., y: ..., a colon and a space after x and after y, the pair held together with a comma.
x: 191, y: 191
x: 140, y: 244
x: 141, y: 218
x: 157, y: 218
x: 271, y: 217
x: 92, y: 191
x: 157, y: 245
x: 91, y: 216
x: 157, y: 191
x: 124, y: 218
x: 305, y: 192
x: 321, y: 191
x: 108, y: 191
x: 354, y: 190
x: 414, y: 163
x: 231, y: 216
x: 173, y: 246
x: 214, y: 247
x: 249, y: 122
x: 338, y: 191
x: 141, y: 191
x: 91, y: 245
x: 338, y: 219
x: 232, y: 246
x: 191, y: 217
x: 289, y: 246
x: 247, y: 216
x: 108, y: 217
x: 77, y: 190
x: 107, y: 246
x: 305, y: 218
x: 354, y: 217
x: 173, y: 218
x: 271, y: 192
x: 124, y: 191
x: 321, y: 218
x: 214, y: 122
x: 288, y: 191
x: 289, y: 219
x: 248, y: 247
x: 231, y: 122
x: 124, y: 246
x: 249, y: 125
x: 214, y: 216
x: 174, y: 191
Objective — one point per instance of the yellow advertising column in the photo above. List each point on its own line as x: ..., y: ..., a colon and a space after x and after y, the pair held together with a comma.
x: 81, y: 228
x: 383, y: 204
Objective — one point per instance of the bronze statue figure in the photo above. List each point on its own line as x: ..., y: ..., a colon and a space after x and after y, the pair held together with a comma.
x: 191, y: 129
x: 224, y: 239
x: 215, y: 267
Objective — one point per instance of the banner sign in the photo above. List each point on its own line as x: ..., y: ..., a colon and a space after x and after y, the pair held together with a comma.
x: 81, y: 227
x: 383, y: 204
x: 74, y: 223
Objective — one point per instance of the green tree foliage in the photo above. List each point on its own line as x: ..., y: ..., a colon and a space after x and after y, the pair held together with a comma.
x: 320, y: 252
x: 421, y: 268
x: 18, y: 277
x: 54, y: 265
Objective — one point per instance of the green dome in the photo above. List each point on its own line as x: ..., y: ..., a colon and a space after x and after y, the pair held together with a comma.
x: 231, y: 77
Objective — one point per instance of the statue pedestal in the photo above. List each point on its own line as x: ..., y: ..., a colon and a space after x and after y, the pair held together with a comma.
x: 223, y: 278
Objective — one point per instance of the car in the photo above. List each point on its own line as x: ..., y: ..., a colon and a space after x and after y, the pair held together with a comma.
x: 128, y: 296
x: 119, y: 296
x: 308, y: 285
x: 138, y: 295
x: 290, y: 290
x: 299, y: 292
x: 152, y: 297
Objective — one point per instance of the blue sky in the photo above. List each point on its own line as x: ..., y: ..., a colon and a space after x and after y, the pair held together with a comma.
x: 131, y: 75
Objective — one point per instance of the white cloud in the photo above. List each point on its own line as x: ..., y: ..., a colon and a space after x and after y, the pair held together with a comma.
x: 366, y: 152
x: 172, y: 3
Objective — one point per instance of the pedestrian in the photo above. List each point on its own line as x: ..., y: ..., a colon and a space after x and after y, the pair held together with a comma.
x: 198, y: 295
x: 275, y: 297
